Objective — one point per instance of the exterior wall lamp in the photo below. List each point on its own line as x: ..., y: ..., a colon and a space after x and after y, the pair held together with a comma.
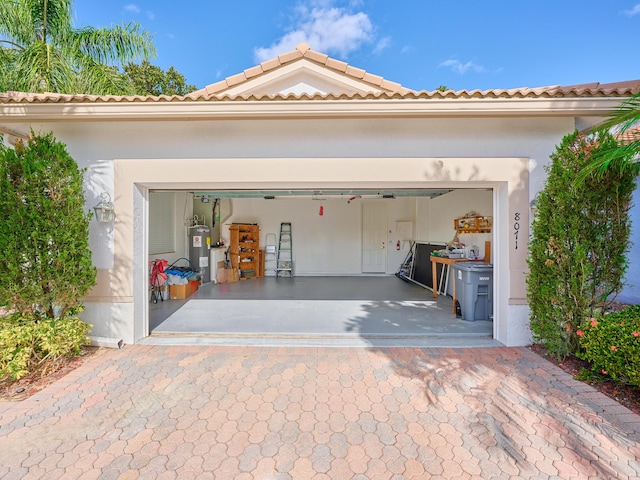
x: 104, y: 209
x: 533, y: 205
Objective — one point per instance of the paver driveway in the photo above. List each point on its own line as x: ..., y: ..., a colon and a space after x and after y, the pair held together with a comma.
x: 314, y: 413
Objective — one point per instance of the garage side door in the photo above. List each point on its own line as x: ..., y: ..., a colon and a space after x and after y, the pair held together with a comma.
x: 374, y: 237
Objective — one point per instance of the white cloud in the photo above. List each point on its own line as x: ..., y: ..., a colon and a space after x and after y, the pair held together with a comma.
x: 462, y: 68
x: 382, y: 45
x: 327, y: 29
x: 634, y: 11
x: 133, y: 8
x: 406, y: 49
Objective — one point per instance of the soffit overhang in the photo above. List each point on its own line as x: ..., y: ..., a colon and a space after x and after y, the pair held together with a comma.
x: 70, y: 110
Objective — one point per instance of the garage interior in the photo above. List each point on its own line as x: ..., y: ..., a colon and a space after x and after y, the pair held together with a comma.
x: 358, y: 270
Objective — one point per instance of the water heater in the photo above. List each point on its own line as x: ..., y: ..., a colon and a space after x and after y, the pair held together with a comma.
x: 199, y: 241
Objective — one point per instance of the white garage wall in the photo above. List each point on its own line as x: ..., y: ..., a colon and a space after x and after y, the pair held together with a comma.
x: 436, y: 215
x: 457, y: 204
x: 331, y: 244
x: 182, y: 204
x: 328, y: 244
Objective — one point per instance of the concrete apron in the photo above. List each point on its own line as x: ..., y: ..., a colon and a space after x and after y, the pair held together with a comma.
x: 315, y: 311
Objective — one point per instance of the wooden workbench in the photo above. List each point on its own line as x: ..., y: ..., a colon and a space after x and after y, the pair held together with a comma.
x: 447, y: 262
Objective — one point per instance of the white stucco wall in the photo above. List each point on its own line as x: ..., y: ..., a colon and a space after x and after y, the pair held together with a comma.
x: 390, y: 141
x: 631, y: 292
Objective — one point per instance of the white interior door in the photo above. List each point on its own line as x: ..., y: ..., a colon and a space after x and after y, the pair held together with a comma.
x: 374, y: 237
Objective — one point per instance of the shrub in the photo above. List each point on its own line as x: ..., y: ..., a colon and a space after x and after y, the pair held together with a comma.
x: 44, y: 229
x: 27, y: 344
x: 611, y: 344
x: 579, y: 239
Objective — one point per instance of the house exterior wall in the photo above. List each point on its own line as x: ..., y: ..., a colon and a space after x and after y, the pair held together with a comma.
x: 128, y: 158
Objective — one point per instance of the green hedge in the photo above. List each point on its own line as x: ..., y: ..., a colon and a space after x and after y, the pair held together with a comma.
x: 580, y: 236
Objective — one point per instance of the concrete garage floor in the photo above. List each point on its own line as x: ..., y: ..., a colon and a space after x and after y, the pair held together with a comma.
x: 315, y: 311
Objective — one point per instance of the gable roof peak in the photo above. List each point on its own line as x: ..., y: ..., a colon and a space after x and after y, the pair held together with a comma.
x: 371, y: 82
x: 303, y: 47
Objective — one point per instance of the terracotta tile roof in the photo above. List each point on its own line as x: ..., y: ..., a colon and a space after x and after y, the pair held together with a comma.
x: 630, y: 135
x: 390, y: 90
x: 620, y: 89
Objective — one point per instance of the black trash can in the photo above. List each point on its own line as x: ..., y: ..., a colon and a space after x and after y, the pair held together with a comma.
x: 474, y: 290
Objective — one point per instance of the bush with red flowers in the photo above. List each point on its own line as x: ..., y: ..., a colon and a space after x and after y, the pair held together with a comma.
x: 611, y: 344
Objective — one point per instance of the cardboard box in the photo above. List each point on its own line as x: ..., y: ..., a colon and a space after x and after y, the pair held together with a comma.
x: 232, y: 274
x: 179, y: 292
x: 193, y: 286
x: 221, y: 275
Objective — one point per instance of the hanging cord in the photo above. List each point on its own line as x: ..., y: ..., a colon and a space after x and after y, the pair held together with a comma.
x: 213, y: 212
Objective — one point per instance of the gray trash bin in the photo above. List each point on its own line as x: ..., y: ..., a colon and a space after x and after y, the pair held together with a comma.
x: 474, y: 290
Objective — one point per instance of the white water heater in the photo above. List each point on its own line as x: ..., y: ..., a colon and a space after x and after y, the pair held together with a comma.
x: 199, y: 241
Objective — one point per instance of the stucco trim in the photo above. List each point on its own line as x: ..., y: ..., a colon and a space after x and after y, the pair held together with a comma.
x: 378, y: 108
x: 509, y: 175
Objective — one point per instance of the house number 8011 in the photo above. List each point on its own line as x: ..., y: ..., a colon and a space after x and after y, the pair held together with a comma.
x: 516, y: 227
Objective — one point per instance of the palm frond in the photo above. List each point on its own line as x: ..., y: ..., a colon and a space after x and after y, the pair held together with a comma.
x: 41, y: 68
x: 50, y: 54
x: 625, y: 116
x: 118, y: 44
x: 53, y: 18
x: 101, y: 79
x: 16, y: 23
x: 621, y: 158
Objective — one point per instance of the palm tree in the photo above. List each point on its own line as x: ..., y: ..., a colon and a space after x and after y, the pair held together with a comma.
x: 625, y: 122
x: 41, y: 51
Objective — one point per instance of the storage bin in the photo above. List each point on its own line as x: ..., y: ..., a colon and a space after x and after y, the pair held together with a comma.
x: 474, y: 290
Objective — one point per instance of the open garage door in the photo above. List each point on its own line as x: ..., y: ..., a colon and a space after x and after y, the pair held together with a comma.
x: 333, y: 292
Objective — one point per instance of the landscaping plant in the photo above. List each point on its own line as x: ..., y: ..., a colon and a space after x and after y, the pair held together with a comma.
x: 580, y: 236
x: 44, y: 251
x: 27, y: 345
x: 611, y: 344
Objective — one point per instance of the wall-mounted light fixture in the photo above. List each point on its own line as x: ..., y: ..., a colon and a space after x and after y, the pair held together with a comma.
x: 104, y: 209
x: 533, y: 205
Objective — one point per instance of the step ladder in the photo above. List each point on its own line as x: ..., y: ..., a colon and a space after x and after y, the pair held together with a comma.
x: 270, y: 253
x: 284, y: 262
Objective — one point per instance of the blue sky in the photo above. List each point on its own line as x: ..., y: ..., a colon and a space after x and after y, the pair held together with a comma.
x: 421, y: 44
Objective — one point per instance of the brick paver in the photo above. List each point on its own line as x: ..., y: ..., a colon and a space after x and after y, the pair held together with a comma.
x: 316, y: 413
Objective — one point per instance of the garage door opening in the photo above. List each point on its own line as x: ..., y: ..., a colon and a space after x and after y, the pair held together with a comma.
x: 348, y: 248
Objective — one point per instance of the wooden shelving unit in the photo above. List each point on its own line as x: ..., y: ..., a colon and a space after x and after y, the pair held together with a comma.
x: 473, y: 224
x: 244, y: 250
